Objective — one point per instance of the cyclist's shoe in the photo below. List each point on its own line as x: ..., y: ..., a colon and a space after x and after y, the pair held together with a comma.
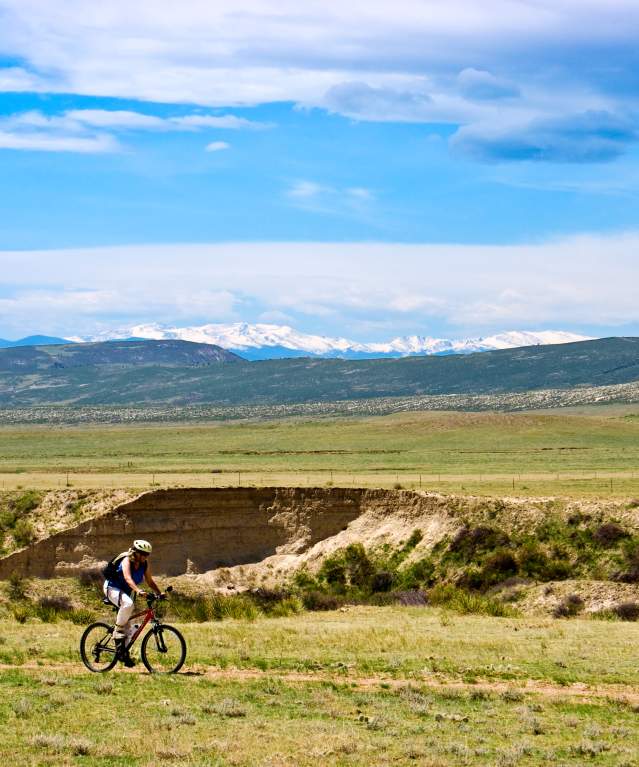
x: 120, y: 649
x: 122, y: 653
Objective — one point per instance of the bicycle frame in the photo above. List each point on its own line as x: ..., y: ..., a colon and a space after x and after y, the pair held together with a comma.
x: 149, y: 615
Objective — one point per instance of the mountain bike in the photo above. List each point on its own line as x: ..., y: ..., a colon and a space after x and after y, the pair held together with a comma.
x: 163, y: 649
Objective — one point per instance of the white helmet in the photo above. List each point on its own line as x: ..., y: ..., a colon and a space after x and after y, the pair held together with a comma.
x: 144, y: 547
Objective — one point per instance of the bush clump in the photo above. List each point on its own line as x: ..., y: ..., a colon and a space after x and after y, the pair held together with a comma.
x: 569, y: 606
x: 630, y: 573
x: 320, y: 600
x: 26, y: 502
x: 469, y: 540
x: 17, y: 586
x: 23, y: 533
x: 466, y: 602
x: 609, y: 533
x: 348, y: 568
x: 627, y: 611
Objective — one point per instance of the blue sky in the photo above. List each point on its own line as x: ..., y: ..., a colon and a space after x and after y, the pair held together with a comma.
x: 370, y: 171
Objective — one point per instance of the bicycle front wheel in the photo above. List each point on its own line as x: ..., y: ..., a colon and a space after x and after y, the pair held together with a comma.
x: 97, y: 647
x: 163, y: 650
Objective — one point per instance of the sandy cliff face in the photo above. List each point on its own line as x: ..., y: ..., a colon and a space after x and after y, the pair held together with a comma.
x: 195, y: 530
x: 199, y: 530
x: 238, y: 535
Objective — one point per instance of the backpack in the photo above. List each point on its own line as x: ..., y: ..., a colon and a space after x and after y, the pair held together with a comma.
x: 110, y: 572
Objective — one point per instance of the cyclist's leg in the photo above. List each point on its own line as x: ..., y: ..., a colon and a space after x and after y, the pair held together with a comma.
x: 124, y: 603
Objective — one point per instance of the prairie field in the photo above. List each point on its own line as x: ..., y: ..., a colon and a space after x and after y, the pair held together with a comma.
x: 360, y: 685
x: 363, y: 686
x: 591, y: 452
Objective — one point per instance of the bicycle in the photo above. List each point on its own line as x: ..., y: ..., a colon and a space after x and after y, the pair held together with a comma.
x: 163, y: 649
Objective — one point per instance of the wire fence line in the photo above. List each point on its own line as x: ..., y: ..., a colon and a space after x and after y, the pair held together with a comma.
x: 626, y: 481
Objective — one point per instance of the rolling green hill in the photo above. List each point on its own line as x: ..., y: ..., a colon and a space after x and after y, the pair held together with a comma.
x: 38, y: 360
x: 180, y: 372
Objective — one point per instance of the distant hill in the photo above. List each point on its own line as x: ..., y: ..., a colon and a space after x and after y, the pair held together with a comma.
x: 32, y: 341
x: 182, y: 372
x: 119, y: 354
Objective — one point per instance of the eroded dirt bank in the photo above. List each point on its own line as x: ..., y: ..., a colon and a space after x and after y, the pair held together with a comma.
x: 195, y: 530
x: 245, y: 537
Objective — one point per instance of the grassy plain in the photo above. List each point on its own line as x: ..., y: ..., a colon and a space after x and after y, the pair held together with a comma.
x: 371, y: 686
x: 585, y: 453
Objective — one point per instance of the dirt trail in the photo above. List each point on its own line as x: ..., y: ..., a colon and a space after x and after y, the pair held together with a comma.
x: 625, y: 694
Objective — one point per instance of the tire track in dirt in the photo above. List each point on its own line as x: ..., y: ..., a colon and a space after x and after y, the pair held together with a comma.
x: 625, y: 694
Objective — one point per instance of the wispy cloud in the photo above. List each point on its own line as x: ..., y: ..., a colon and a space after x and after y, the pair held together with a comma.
x: 583, y: 283
x: 586, y: 137
x: 322, y: 198
x: 484, y: 86
x: 477, y: 66
x: 428, y: 62
x: 217, y: 146
x: 96, y: 130
x: 42, y: 142
x: 307, y: 190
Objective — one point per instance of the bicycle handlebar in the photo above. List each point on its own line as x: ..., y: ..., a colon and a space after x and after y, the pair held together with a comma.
x: 150, y: 598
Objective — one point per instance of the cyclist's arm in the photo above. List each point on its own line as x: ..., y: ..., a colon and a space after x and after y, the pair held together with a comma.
x: 149, y: 579
x: 126, y: 572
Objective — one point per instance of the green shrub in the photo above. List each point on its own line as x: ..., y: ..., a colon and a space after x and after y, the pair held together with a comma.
x: 400, y: 554
x: 416, y: 574
x: 532, y: 559
x: 50, y: 608
x: 466, y: 603
x: 630, y: 569
x: 333, y: 571
x: 627, y: 611
x: 470, y: 540
x: 569, y: 606
x: 302, y: 579
x: 17, y: 586
x: 81, y: 616
x: 291, y: 605
x: 382, y: 581
x: 234, y: 606
x: 497, y: 567
x: 27, y: 502
x: 609, y: 533
x: 348, y: 567
x: 23, y: 533
x: 22, y: 612
x: 8, y: 518
x: 276, y: 602
x: 320, y: 600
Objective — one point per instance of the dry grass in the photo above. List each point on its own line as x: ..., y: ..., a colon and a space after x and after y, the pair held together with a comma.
x: 481, y: 453
x: 371, y: 686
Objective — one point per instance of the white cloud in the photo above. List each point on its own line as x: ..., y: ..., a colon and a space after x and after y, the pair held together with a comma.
x: 424, y: 61
x: 320, y: 198
x: 307, y: 189
x: 104, y: 118
x: 42, y: 142
x: 85, y: 130
x: 359, y: 193
x: 222, y: 122
x: 217, y: 146
x: 119, y: 119
x: 482, y: 85
x: 581, y: 282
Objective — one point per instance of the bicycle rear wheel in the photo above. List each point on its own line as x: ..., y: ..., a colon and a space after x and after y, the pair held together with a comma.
x: 97, y: 647
x: 163, y: 650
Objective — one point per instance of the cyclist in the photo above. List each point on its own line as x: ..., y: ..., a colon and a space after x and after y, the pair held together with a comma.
x: 123, y: 586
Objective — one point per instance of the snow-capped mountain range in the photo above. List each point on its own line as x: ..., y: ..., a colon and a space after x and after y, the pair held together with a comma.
x: 263, y: 341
